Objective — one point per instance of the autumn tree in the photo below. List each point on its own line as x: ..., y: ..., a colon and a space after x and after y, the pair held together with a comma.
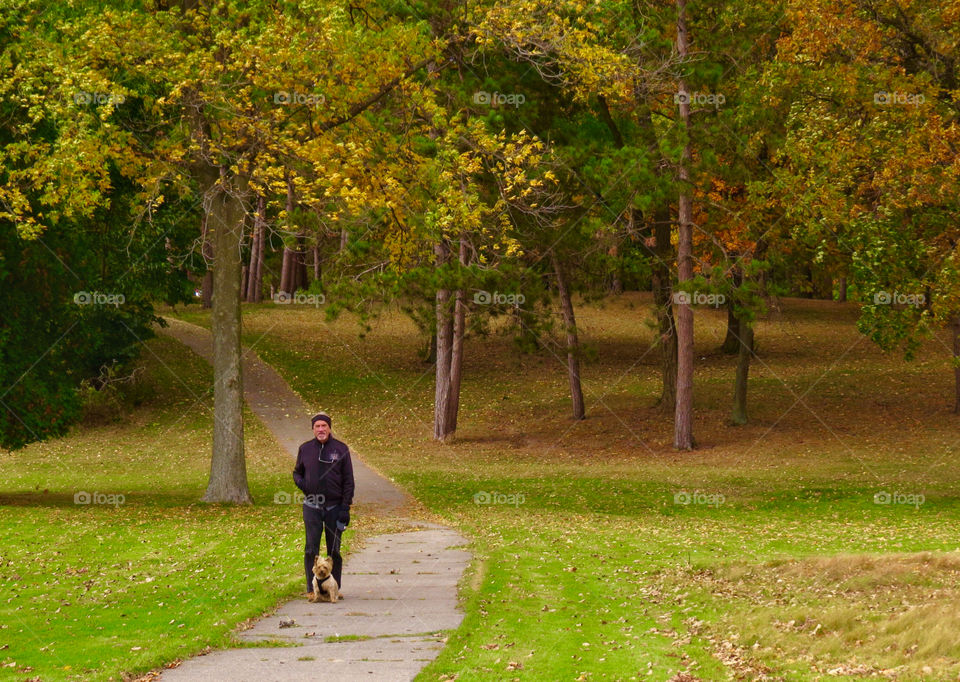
x: 84, y: 254
x: 217, y: 80
x: 871, y: 156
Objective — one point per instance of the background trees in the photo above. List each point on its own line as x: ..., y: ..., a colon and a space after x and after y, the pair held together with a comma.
x: 871, y: 157
x: 83, y: 257
x: 427, y: 157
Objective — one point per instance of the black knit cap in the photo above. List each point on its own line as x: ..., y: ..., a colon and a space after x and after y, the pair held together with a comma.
x: 322, y: 416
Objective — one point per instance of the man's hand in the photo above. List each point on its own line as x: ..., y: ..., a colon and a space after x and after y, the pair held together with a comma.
x: 344, y: 517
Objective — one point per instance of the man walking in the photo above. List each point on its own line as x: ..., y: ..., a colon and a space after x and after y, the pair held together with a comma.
x: 324, y: 473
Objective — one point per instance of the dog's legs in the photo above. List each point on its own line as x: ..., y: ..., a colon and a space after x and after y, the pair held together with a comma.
x: 330, y: 590
x: 334, y: 591
x: 308, y: 560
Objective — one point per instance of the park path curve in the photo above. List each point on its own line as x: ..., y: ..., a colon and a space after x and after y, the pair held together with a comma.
x: 401, y: 588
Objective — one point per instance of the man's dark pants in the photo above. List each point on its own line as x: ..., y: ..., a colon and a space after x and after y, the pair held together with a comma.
x: 319, y: 522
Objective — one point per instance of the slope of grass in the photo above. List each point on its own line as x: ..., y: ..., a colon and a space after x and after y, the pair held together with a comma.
x: 589, y: 563
x: 142, y: 574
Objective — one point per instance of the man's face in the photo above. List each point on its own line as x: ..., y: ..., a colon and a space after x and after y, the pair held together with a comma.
x: 321, y: 430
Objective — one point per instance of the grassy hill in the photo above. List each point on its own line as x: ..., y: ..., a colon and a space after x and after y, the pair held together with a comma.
x: 818, y: 541
x: 785, y: 562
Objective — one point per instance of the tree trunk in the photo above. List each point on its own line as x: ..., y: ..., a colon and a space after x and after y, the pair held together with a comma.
x: 739, y: 416
x: 251, y: 268
x: 430, y: 353
x: 288, y: 264
x: 456, y: 353
x: 261, y: 253
x: 956, y: 361
x: 206, y: 290
x: 573, y: 343
x: 662, y: 249
x: 244, y: 276
x: 288, y: 270
x: 228, y: 471
x: 663, y: 302
x: 441, y: 410
x: 663, y: 258
x: 683, y: 414
x: 842, y: 290
x: 255, y: 280
x: 731, y: 343
x: 616, y: 281
x: 206, y: 287
x: 301, y: 281
x: 316, y: 263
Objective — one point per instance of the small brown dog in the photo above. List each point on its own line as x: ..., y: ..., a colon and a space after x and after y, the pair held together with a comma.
x: 325, y: 586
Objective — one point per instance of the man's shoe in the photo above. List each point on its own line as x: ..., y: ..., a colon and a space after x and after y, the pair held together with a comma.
x: 308, y: 595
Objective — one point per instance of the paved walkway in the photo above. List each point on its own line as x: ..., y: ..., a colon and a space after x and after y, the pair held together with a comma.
x: 401, y: 588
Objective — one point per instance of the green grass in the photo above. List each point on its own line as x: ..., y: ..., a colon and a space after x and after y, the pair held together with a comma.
x: 100, y: 591
x: 345, y: 638
x: 587, y: 568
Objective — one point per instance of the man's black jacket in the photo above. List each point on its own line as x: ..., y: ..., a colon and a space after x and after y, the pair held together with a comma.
x: 325, y: 469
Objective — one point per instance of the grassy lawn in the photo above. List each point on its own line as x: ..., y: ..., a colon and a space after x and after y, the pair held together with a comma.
x: 588, y: 564
x: 122, y: 585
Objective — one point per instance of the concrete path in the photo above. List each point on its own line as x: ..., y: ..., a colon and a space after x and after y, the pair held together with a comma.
x: 400, y: 589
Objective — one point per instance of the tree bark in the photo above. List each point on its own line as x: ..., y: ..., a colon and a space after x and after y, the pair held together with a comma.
x: 683, y: 414
x: 663, y: 302
x: 228, y: 471
x: 842, y: 290
x: 301, y: 281
x: 456, y: 353
x: 251, y: 268
x: 731, y: 342
x: 255, y: 280
x: 661, y: 283
x: 288, y: 271
x: 316, y: 263
x: 441, y: 411
x: 206, y: 287
x: 662, y: 250
x: 261, y: 251
x: 288, y: 264
x: 573, y: 342
x: 430, y: 352
x: 616, y: 281
x: 739, y: 416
